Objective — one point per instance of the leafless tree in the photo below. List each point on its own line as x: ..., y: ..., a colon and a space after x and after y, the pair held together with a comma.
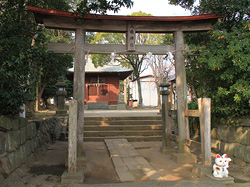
x: 162, y: 67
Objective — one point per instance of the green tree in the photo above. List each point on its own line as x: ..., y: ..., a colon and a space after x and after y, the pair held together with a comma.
x: 100, y: 6
x: 220, y: 70
x: 24, y: 57
x: 234, y: 11
x: 23, y: 53
x: 218, y: 67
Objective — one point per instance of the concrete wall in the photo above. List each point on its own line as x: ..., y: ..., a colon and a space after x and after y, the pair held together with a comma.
x: 149, y: 91
x: 233, y: 141
x: 20, y: 141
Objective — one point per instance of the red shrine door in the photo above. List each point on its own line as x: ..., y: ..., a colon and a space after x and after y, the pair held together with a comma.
x: 97, y: 90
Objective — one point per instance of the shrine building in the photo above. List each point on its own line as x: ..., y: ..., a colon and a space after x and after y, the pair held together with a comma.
x: 102, y: 85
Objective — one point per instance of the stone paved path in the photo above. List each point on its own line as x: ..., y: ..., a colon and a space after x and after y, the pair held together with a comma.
x: 129, y: 164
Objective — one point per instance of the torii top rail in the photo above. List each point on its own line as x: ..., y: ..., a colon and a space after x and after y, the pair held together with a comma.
x: 130, y: 25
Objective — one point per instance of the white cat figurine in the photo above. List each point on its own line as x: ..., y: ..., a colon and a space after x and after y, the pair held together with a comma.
x: 220, y: 166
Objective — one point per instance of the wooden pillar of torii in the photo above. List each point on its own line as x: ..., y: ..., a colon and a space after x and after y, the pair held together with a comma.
x: 79, y: 85
x: 130, y: 25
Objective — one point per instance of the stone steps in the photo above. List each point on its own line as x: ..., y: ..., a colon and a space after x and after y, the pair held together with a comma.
x: 140, y: 128
x: 134, y: 128
x: 122, y: 133
x: 129, y: 138
x: 98, y: 106
x: 123, y: 118
x: 121, y: 127
x: 123, y: 122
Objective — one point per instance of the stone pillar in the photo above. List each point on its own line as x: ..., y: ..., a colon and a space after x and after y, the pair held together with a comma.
x: 72, y: 145
x: 205, y: 130
x: 180, y: 74
x: 79, y: 85
x: 74, y: 174
x: 166, y: 126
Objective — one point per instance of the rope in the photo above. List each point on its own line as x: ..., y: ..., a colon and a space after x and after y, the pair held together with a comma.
x: 117, y: 52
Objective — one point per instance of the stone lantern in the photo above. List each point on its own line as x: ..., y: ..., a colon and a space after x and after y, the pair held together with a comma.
x: 29, y: 106
x: 61, y: 93
x: 166, y: 127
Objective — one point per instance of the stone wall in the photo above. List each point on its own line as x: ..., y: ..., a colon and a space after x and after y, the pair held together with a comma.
x: 20, y: 141
x: 233, y: 141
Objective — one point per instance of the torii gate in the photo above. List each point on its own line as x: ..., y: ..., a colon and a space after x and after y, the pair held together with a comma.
x: 130, y: 25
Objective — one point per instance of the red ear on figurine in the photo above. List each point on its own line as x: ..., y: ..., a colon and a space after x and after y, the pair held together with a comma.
x: 225, y: 156
x: 217, y: 156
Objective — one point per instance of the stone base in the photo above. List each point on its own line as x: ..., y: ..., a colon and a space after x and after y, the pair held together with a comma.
x: 206, y: 171
x: 68, y: 178
x: 167, y: 150
x: 186, y: 158
x: 226, y: 180
x: 61, y: 112
x: 201, y: 171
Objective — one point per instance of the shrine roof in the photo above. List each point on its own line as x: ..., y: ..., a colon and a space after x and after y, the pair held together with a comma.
x: 52, y: 12
x: 106, y: 69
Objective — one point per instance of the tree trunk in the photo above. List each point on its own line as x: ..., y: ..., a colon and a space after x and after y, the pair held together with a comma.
x: 40, y: 94
x: 128, y: 94
x: 139, y: 92
x: 158, y: 94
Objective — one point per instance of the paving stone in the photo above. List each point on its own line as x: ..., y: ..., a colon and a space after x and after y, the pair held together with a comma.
x: 121, y: 168
x: 133, y: 166
x: 152, y: 175
x: 114, y: 153
x: 118, y: 161
x: 112, y: 147
x: 133, y: 153
x: 138, y: 174
x: 108, y: 140
x: 141, y: 160
x: 123, y: 153
x: 125, y: 176
x: 130, y: 165
x: 129, y: 160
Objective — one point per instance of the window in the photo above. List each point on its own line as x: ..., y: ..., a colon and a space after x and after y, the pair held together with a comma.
x: 97, y: 80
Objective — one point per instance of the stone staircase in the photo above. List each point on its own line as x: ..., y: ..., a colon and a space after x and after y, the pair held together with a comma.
x: 131, y: 128
x: 98, y: 106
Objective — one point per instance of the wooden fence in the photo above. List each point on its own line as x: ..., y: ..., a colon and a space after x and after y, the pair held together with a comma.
x: 204, y: 113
